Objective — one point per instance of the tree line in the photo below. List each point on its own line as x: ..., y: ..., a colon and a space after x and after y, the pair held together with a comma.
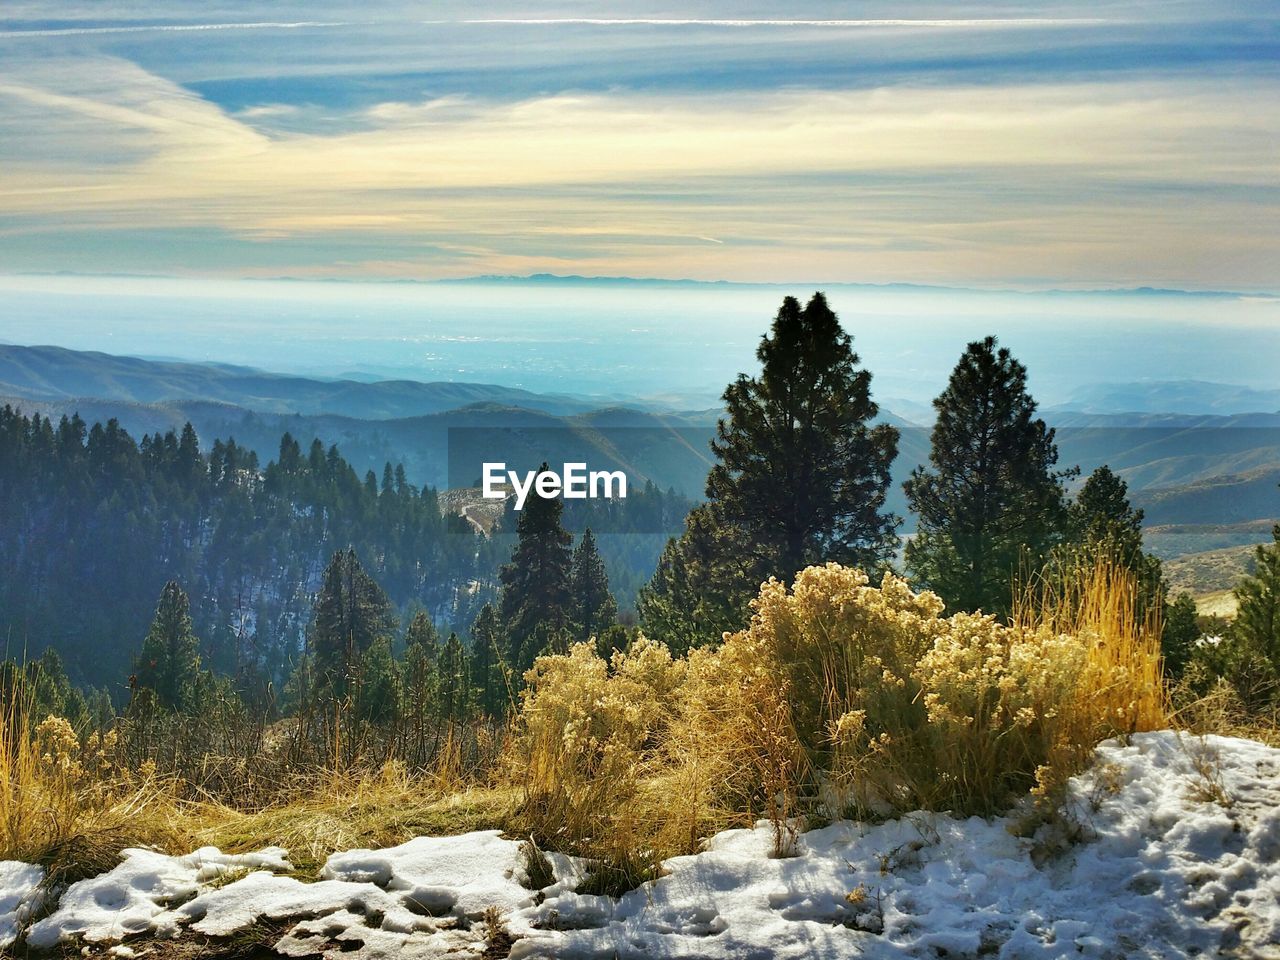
x: 405, y: 628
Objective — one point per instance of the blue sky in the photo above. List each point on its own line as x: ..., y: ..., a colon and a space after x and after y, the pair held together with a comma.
x: 1026, y: 145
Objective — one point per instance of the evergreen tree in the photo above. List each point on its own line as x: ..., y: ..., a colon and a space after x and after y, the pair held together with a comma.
x: 990, y: 506
x: 801, y: 479
x: 351, y: 612
x: 421, y: 684
x: 488, y: 671
x: 594, y: 609
x: 169, y: 663
x: 1257, y: 621
x: 678, y: 605
x: 1181, y: 630
x: 378, y: 699
x: 1101, y: 514
x: 454, y: 699
x: 535, y: 584
x: 1102, y: 523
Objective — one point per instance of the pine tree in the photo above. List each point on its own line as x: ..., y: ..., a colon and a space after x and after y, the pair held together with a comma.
x: 421, y: 684
x: 351, y: 612
x: 169, y: 663
x: 1102, y: 514
x: 378, y: 698
x: 454, y: 700
x: 594, y: 609
x: 1181, y: 630
x: 990, y: 507
x: 1257, y: 621
x: 535, y: 584
x: 1102, y: 523
x: 489, y: 674
x: 801, y: 479
x: 679, y: 605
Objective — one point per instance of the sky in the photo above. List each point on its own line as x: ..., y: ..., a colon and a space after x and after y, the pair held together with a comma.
x: 1023, y: 145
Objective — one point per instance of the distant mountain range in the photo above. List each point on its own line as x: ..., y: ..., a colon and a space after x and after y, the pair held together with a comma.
x: 1171, y: 396
x: 1207, y: 481
x: 55, y: 373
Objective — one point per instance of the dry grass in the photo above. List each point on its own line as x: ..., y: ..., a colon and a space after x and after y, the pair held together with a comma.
x: 1222, y: 711
x: 1120, y: 688
x: 356, y: 812
x: 65, y: 806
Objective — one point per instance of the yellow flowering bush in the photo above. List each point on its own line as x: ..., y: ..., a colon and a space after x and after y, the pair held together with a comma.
x: 586, y: 725
x: 860, y: 697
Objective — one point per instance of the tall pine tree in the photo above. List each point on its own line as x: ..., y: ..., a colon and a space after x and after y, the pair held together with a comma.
x: 801, y: 479
x: 594, y: 609
x: 990, y: 505
x: 489, y: 672
x: 169, y: 663
x: 351, y: 612
x: 535, y: 603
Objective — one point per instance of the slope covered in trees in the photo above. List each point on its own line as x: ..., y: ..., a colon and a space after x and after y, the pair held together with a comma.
x: 93, y: 524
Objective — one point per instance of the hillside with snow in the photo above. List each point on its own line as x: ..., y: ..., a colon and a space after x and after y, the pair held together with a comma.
x: 1166, y: 847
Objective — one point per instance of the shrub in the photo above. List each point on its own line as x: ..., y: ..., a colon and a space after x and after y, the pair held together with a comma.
x: 587, y: 729
x: 838, y: 697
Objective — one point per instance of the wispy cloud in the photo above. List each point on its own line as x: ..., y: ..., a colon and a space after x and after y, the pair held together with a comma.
x: 166, y: 28
x: 985, y: 23
x: 728, y: 152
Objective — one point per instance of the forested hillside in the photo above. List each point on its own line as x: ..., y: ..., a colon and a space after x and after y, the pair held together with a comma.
x: 94, y: 523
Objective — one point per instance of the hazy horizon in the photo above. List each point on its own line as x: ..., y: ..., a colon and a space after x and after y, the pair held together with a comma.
x: 639, y: 340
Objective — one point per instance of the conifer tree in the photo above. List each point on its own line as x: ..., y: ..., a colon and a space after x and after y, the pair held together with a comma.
x: 351, y: 612
x: 801, y: 479
x: 1257, y: 621
x: 535, y: 600
x: 1101, y: 514
x: 1101, y: 522
x: 488, y: 671
x: 990, y: 506
x: 378, y: 699
x: 421, y: 683
x: 454, y: 699
x: 169, y: 664
x: 1181, y: 630
x: 594, y: 609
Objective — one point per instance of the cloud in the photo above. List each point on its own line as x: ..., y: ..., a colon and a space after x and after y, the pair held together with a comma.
x: 1132, y: 177
x: 45, y: 32
x: 981, y: 23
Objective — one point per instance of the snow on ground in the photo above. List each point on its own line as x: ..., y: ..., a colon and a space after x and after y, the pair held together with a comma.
x: 135, y: 896
x: 1171, y: 849
x: 19, y: 897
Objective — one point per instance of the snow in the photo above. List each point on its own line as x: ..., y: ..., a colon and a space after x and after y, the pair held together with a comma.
x: 20, y: 896
x: 1169, y: 847
x: 136, y: 895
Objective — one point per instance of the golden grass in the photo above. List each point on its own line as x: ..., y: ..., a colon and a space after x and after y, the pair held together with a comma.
x: 66, y: 806
x: 63, y: 804
x: 357, y: 813
x: 1122, y: 686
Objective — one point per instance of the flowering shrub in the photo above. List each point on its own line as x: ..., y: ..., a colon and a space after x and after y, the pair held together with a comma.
x: 587, y: 726
x: 862, y: 698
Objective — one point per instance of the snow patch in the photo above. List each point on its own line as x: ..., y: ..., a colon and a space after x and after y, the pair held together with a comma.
x: 137, y: 895
x: 20, y: 897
